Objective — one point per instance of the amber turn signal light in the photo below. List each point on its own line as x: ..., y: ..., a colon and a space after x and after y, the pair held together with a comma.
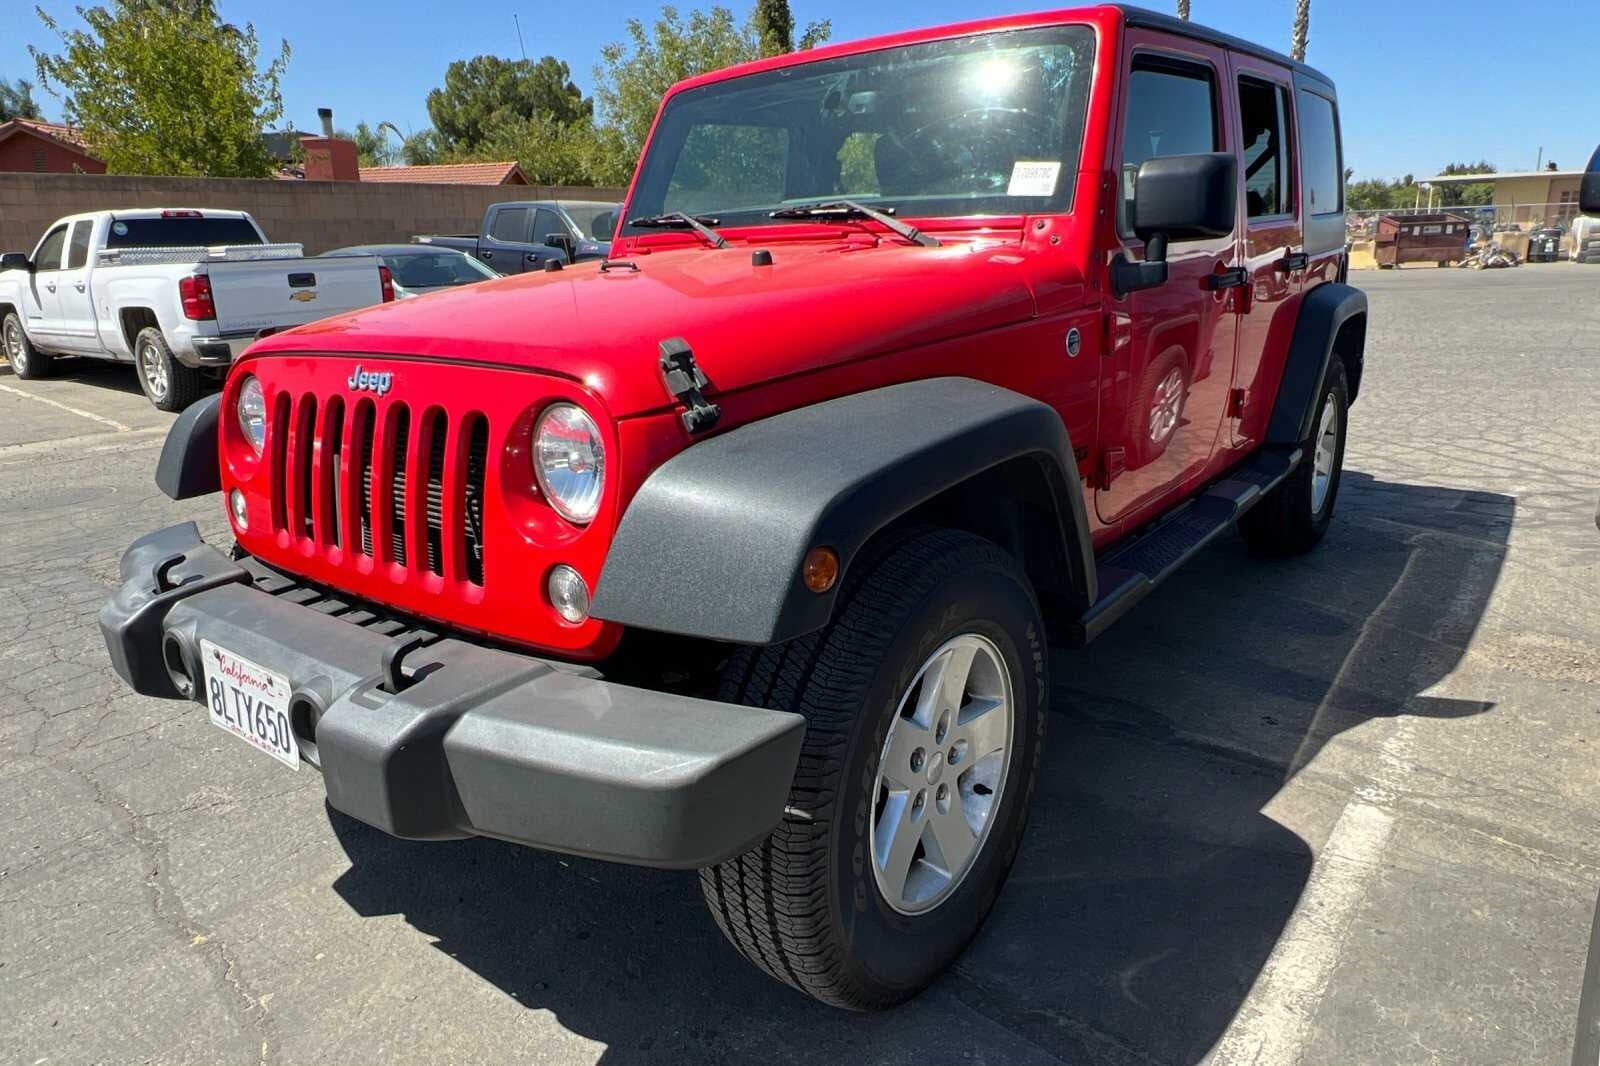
x: 820, y: 569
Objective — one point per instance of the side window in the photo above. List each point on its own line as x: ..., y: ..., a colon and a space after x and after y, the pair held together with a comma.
x: 1320, y: 167
x: 49, y: 257
x: 546, y: 222
x: 1172, y: 110
x: 511, y: 224
x: 1268, y: 149
x: 78, y: 248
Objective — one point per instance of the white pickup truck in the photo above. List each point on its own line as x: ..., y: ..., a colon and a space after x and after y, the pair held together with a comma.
x: 179, y: 292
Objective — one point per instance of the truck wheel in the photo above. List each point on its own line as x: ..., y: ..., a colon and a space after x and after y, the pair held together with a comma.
x: 926, y: 700
x: 167, y: 383
x: 1293, y: 516
x: 28, y: 362
x: 1157, y: 408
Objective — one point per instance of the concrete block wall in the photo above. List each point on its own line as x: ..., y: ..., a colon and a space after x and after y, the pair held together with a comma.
x: 318, y: 214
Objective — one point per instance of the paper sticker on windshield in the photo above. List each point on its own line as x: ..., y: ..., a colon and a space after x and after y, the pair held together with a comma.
x: 119, y: 228
x: 1033, y: 179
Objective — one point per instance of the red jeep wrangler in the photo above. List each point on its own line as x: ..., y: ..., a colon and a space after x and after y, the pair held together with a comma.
x: 742, y: 550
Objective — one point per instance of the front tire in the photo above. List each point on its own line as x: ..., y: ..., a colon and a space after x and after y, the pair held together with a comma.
x: 925, y: 701
x: 1293, y: 517
x: 27, y: 362
x: 167, y: 383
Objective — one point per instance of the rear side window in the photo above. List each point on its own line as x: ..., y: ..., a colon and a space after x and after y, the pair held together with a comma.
x: 180, y: 232
x: 1268, y: 149
x: 78, y: 247
x: 1320, y: 165
x: 49, y: 257
x: 512, y: 224
x: 1172, y: 110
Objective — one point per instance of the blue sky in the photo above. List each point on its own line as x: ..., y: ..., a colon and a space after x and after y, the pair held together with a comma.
x: 1410, y: 84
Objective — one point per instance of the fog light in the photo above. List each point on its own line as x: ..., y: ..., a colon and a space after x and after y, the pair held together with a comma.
x: 241, y: 516
x: 569, y: 594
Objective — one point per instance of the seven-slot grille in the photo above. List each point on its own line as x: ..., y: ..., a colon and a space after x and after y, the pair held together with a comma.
x: 388, y: 482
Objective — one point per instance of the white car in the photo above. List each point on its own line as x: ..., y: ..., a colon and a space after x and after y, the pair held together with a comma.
x: 177, y: 291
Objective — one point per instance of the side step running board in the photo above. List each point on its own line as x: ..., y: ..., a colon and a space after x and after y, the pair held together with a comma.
x: 1130, y: 571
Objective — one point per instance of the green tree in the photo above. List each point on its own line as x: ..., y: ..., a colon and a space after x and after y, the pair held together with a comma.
x: 166, y: 87
x: 556, y: 153
x: 372, y: 148
x: 16, y: 100
x: 423, y: 148
x: 1473, y: 195
x: 484, y: 90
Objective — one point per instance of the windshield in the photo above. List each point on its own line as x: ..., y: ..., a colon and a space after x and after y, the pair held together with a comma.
x: 433, y: 270
x: 180, y: 232
x: 984, y: 125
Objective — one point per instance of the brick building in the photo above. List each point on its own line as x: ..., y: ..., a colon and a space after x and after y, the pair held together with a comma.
x: 29, y: 145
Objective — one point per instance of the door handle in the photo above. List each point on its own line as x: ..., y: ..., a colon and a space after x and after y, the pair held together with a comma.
x: 487, y: 255
x: 1294, y: 261
x: 78, y: 285
x: 50, y: 286
x: 533, y: 257
x: 1234, y: 278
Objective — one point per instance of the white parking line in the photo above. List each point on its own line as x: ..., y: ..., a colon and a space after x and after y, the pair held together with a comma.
x: 102, y: 419
x: 84, y: 444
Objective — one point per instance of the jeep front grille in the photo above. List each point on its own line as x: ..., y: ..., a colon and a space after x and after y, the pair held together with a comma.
x: 406, y: 469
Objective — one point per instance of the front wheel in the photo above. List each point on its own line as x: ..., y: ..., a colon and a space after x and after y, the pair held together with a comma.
x: 1293, y: 517
x: 925, y: 702
x: 28, y: 362
x: 167, y: 383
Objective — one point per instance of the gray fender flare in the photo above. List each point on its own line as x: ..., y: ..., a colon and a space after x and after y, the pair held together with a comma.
x: 712, y: 544
x: 190, y: 465
x: 1323, y: 312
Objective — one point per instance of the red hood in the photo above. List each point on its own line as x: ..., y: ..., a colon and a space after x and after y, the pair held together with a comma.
x: 818, y: 304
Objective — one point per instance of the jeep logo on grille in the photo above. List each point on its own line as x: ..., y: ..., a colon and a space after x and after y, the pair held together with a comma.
x: 370, y: 381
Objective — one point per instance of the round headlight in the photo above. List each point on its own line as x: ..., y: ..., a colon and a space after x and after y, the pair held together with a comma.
x: 252, y: 410
x: 569, y: 461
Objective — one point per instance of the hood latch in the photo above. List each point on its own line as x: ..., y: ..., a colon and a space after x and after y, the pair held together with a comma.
x: 687, y: 382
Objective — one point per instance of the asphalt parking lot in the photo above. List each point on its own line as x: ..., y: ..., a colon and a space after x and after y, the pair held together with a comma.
x: 1343, y: 809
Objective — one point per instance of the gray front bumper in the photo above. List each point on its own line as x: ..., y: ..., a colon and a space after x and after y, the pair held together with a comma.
x: 476, y: 741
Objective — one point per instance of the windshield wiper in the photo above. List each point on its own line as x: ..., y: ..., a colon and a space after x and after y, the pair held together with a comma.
x: 852, y: 209
x: 679, y: 220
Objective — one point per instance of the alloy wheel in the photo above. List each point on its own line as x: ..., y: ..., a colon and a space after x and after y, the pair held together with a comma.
x: 1325, y: 454
x: 16, y: 350
x: 153, y: 368
x: 941, y: 774
x: 1165, y: 406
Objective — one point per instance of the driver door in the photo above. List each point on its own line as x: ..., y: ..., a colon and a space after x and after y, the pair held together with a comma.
x: 1173, y: 345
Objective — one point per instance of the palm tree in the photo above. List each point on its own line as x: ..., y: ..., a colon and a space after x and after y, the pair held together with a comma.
x: 1183, y: 10
x: 1302, y: 30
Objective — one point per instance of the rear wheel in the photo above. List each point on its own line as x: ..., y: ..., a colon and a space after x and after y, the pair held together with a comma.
x: 167, y: 383
x: 1293, y: 517
x: 28, y: 362
x: 925, y: 700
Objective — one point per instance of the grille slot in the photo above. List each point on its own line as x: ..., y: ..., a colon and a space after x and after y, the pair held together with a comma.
x: 279, y: 449
x: 472, y: 511
x: 330, y: 492
x: 397, y: 486
x: 438, y: 428
x: 305, y: 452
x: 366, y: 423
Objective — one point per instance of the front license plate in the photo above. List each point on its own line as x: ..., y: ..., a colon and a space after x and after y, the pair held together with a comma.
x: 251, y: 702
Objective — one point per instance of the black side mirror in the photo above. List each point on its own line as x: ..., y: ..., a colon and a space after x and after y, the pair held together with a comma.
x: 563, y: 243
x: 1177, y: 198
x: 1589, y: 191
x: 16, y: 261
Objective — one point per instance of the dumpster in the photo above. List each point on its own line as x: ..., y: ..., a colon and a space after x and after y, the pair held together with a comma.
x: 1439, y: 238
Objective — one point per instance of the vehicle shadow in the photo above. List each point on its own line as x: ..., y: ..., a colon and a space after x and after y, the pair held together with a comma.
x: 1151, y: 888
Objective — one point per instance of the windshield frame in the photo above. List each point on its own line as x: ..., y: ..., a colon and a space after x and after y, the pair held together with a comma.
x: 650, y: 187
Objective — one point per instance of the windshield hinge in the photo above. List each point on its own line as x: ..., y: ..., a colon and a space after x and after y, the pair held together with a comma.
x: 687, y: 384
